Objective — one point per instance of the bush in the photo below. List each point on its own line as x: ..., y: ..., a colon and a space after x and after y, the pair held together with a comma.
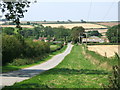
x: 8, y: 30
x: 35, y: 49
x: 15, y: 47
x: 115, y: 78
x: 113, y: 34
x: 11, y: 48
x: 27, y: 61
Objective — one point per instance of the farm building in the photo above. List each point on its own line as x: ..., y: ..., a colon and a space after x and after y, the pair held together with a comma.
x: 44, y: 39
x: 93, y: 39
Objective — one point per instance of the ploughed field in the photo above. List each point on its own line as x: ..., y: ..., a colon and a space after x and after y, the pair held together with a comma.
x: 85, y: 25
x: 104, y: 50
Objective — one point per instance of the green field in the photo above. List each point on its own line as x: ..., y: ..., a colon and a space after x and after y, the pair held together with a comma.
x: 54, y: 47
x: 75, y: 71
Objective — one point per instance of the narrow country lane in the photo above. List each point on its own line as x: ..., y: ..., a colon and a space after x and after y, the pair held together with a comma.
x: 10, y: 78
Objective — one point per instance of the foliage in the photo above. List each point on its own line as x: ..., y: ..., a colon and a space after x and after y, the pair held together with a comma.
x: 76, y: 33
x: 94, y: 33
x: 28, y: 61
x: 8, y: 30
x: 14, y: 10
x: 59, y: 33
x: 11, y: 48
x: 115, y: 78
x: 20, y: 63
x: 113, y: 34
x: 14, y: 46
x: 35, y: 49
x: 26, y: 32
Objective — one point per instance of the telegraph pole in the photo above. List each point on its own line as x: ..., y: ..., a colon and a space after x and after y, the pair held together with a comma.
x: 79, y: 37
x: 86, y: 42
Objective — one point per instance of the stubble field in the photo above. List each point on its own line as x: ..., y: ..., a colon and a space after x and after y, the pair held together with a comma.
x: 85, y: 25
x: 105, y: 50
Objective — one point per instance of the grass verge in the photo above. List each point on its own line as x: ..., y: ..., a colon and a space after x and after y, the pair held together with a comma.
x: 9, y: 67
x: 75, y: 71
x: 111, y: 61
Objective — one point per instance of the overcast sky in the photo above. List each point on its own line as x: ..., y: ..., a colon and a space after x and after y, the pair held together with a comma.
x: 75, y: 11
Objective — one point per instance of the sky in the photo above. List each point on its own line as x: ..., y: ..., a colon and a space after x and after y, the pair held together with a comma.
x: 75, y: 10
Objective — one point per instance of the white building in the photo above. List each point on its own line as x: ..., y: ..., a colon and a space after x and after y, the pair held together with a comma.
x: 93, y: 39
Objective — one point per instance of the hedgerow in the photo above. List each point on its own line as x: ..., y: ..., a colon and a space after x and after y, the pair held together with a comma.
x: 14, y: 46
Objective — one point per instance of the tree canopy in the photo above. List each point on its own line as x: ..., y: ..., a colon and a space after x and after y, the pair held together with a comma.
x: 14, y: 10
x: 113, y: 34
x: 94, y: 33
x: 76, y: 33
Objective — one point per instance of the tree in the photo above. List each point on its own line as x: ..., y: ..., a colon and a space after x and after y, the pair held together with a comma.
x: 82, y: 21
x: 76, y: 33
x: 14, y: 10
x: 69, y: 21
x: 61, y: 33
x: 11, y: 48
x: 48, y: 31
x: 94, y: 33
x: 26, y: 32
x: 113, y: 34
x: 28, y: 23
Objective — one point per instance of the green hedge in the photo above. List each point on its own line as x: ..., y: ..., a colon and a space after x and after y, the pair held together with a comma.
x: 11, y: 48
x: 14, y: 46
x: 34, y: 49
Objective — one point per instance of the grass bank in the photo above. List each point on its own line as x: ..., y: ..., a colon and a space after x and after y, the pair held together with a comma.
x: 111, y: 61
x: 9, y: 67
x: 75, y: 71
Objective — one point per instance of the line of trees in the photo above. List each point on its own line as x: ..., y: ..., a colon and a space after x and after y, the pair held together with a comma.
x: 59, y: 33
x: 64, y: 34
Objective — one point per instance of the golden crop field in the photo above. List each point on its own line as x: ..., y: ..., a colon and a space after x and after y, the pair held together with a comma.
x: 108, y: 23
x: 104, y: 50
x: 24, y: 26
x: 85, y: 25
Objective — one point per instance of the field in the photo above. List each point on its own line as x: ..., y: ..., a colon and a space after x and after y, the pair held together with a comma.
x: 24, y: 26
x: 104, y: 50
x: 54, y: 47
x: 85, y: 25
x: 108, y: 23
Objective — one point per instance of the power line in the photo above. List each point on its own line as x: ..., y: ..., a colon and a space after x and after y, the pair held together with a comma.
x: 108, y: 11
x: 89, y: 11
